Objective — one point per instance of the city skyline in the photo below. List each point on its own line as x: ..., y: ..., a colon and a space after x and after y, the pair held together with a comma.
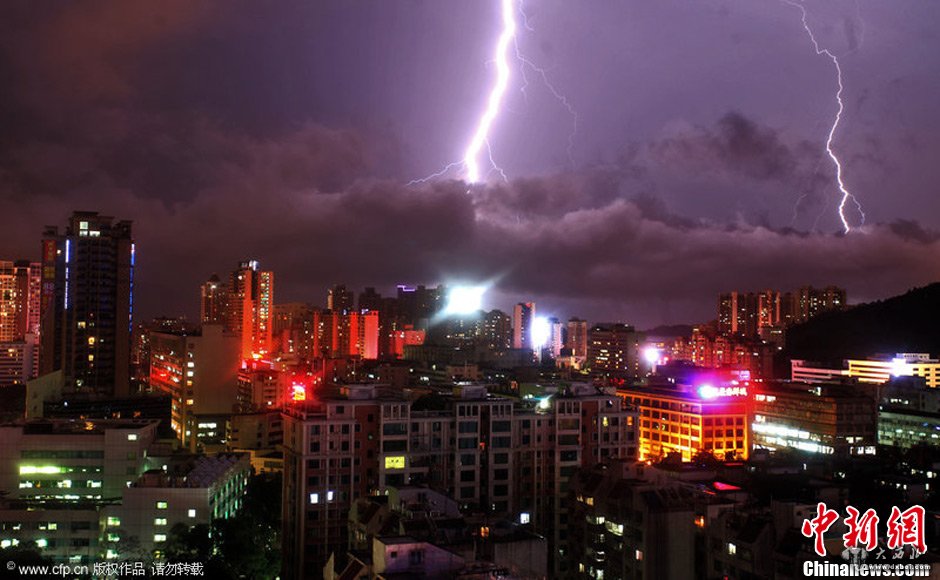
x: 516, y: 289
x: 687, y: 164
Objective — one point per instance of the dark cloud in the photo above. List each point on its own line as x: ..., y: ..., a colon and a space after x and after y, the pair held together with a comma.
x: 734, y: 146
x: 224, y: 133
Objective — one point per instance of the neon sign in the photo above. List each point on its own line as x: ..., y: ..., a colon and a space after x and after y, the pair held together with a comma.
x: 713, y: 392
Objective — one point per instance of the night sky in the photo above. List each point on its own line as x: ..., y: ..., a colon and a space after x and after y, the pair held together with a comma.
x: 287, y: 132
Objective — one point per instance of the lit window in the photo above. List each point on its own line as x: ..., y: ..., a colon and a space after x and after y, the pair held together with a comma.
x: 132, y: 436
x: 639, y: 555
x: 192, y: 513
x: 524, y: 518
x: 159, y: 537
x: 161, y: 505
x: 159, y: 521
x: 41, y: 543
x: 329, y: 495
x: 732, y: 549
x: 314, y: 498
x: 112, y: 521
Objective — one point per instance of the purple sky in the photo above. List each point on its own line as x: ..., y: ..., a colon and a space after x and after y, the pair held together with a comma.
x: 286, y: 132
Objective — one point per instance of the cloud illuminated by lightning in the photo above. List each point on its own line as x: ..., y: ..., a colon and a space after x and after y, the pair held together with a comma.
x: 846, y: 195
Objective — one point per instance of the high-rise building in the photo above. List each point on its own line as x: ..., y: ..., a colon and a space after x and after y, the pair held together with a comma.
x: 19, y: 299
x: 214, y: 296
x: 486, y: 452
x: 418, y: 305
x: 556, y: 337
x: 497, y: 330
x: 748, y: 313
x: 811, y: 301
x: 614, y: 350
x: 369, y: 299
x: 250, y: 308
x: 577, y: 339
x: 200, y: 371
x: 738, y: 313
x: 19, y: 321
x: 340, y: 299
x: 523, y: 315
x: 294, y: 332
x: 87, y: 303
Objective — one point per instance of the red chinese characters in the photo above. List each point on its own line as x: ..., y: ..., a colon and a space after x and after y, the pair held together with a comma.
x: 816, y: 527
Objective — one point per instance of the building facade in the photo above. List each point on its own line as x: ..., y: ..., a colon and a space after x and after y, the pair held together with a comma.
x: 87, y: 303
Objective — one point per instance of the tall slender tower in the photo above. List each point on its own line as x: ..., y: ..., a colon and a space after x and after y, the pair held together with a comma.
x: 214, y: 296
x: 87, y: 303
x: 522, y: 316
x: 250, y: 307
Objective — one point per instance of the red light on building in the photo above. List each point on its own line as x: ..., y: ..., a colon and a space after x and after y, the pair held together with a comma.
x: 298, y: 392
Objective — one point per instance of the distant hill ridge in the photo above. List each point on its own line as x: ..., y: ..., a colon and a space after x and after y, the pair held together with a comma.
x: 906, y: 323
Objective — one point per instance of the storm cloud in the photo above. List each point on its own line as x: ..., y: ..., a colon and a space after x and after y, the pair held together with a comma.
x: 223, y: 135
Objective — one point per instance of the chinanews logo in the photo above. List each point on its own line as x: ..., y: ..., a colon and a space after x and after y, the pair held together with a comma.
x: 864, y: 555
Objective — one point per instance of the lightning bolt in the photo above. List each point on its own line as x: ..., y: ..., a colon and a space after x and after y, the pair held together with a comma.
x: 541, y: 72
x: 469, y: 167
x: 479, y: 139
x: 846, y: 195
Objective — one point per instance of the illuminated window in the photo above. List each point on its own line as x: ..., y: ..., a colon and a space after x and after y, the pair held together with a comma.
x: 132, y: 436
x: 192, y: 513
x: 112, y: 537
x: 700, y: 521
x: 113, y: 521
x: 159, y: 537
x: 159, y: 521
x: 524, y: 518
x: 638, y: 555
x: 161, y: 505
x: 314, y: 498
x: 732, y: 549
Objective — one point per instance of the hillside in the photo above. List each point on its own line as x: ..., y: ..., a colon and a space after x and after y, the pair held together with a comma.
x: 906, y: 323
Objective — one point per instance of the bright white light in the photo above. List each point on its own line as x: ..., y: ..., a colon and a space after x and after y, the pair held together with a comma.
x: 707, y: 391
x: 541, y: 331
x: 900, y: 368
x: 465, y: 299
x: 651, y: 354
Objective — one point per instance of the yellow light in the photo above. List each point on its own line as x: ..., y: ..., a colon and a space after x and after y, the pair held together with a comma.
x: 395, y: 462
x: 43, y: 469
